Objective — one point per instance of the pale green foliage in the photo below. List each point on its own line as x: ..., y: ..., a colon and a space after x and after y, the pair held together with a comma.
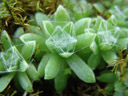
x: 80, y: 67
x: 61, y: 42
x: 13, y: 60
x: 64, y: 47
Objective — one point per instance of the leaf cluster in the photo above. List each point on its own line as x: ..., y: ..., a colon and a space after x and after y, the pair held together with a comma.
x: 77, y: 40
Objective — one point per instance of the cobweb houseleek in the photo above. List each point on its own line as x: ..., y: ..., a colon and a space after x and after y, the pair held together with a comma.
x: 15, y: 64
x: 60, y: 45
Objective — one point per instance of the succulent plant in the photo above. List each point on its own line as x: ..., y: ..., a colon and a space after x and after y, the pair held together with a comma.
x: 69, y: 42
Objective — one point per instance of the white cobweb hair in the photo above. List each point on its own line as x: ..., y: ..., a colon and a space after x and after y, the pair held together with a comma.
x: 62, y: 42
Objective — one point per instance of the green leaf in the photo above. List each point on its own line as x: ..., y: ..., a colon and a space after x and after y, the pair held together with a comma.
x: 112, y: 20
x: 110, y: 57
x: 94, y: 60
x: 122, y: 24
x: 24, y: 81
x: 5, y: 80
x: 102, y: 25
x: 84, y: 40
x: 99, y: 21
x: 120, y: 16
x: 61, y: 79
x: 53, y: 66
x: 66, y: 54
x: 118, y: 93
x: 42, y: 64
x: 61, y: 16
x: 108, y: 77
x: 81, y: 9
x: 105, y: 46
x: 18, y: 32
x: 48, y: 28
x: 6, y: 40
x: 99, y: 7
x: 91, y: 30
x: 35, y: 30
x: 33, y: 73
x: 122, y: 44
x: 69, y: 28
x: 39, y: 18
x: 94, y: 48
x: 28, y: 49
x: 109, y: 88
x: 19, y: 44
x: 1, y: 66
x: 123, y: 33
x: 81, y: 25
x: 84, y: 50
x: 119, y: 86
x: 40, y: 41
x: 81, y: 69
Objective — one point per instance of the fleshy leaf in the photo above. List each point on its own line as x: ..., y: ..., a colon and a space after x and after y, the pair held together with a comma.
x: 39, y: 18
x: 5, y: 80
x: 24, y: 81
x: 81, y: 25
x: 66, y: 54
x: 85, y: 40
x: 18, y: 32
x: 81, y: 69
x: 33, y: 73
x: 42, y: 64
x: 94, y: 60
x: 40, y: 41
x: 53, y: 66
x: 118, y: 93
x: 122, y: 43
x: 110, y: 57
x: 105, y: 46
x: 108, y: 77
x: 69, y: 28
x: 120, y: 16
x: 81, y: 9
x: 2, y: 68
x: 94, y: 48
x: 6, y: 40
x: 48, y: 28
x: 61, y: 79
x: 99, y: 21
x: 123, y: 33
x: 19, y: 44
x: 109, y: 88
x: 60, y: 16
x: 112, y: 20
x: 99, y: 7
x: 119, y: 87
x: 28, y: 49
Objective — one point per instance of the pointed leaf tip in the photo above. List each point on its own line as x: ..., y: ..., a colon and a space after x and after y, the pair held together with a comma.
x: 60, y: 15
